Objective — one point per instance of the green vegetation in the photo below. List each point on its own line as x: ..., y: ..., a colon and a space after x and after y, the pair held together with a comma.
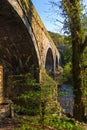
x: 57, y: 38
x: 53, y: 122
x: 49, y: 110
x: 66, y: 57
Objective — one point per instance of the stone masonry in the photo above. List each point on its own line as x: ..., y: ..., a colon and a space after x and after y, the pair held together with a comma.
x: 36, y: 28
x: 24, y: 41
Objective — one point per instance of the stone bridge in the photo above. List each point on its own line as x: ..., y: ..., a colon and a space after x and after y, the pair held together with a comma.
x: 25, y: 45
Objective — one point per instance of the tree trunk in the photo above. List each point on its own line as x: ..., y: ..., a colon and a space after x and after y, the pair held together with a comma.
x: 78, y: 83
x: 73, y: 11
x: 77, y: 61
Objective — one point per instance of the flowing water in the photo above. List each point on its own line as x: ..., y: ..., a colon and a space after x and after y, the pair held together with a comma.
x: 65, y: 97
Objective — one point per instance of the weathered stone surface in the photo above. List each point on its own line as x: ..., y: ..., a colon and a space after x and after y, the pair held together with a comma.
x: 25, y: 45
x: 31, y: 19
x: 6, y: 109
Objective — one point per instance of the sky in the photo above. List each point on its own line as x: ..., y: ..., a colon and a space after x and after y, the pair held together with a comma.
x: 48, y: 18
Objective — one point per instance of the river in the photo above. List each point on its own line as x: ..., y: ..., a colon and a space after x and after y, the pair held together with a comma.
x: 66, y: 98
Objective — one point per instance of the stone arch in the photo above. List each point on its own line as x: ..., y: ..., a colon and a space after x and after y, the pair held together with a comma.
x: 16, y: 37
x: 49, y: 62
x: 17, y: 6
x: 18, y: 49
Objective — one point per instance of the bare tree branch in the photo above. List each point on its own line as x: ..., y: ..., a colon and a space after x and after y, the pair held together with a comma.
x: 60, y: 21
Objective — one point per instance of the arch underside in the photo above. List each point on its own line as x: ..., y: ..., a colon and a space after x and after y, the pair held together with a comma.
x: 17, y: 51
x: 56, y: 62
x: 49, y: 63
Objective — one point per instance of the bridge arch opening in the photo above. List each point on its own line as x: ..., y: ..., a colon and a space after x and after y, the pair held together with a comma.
x: 18, y: 54
x: 56, y: 62
x: 49, y: 63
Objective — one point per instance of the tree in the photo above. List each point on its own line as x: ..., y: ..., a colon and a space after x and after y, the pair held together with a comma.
x: 72, y: 12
